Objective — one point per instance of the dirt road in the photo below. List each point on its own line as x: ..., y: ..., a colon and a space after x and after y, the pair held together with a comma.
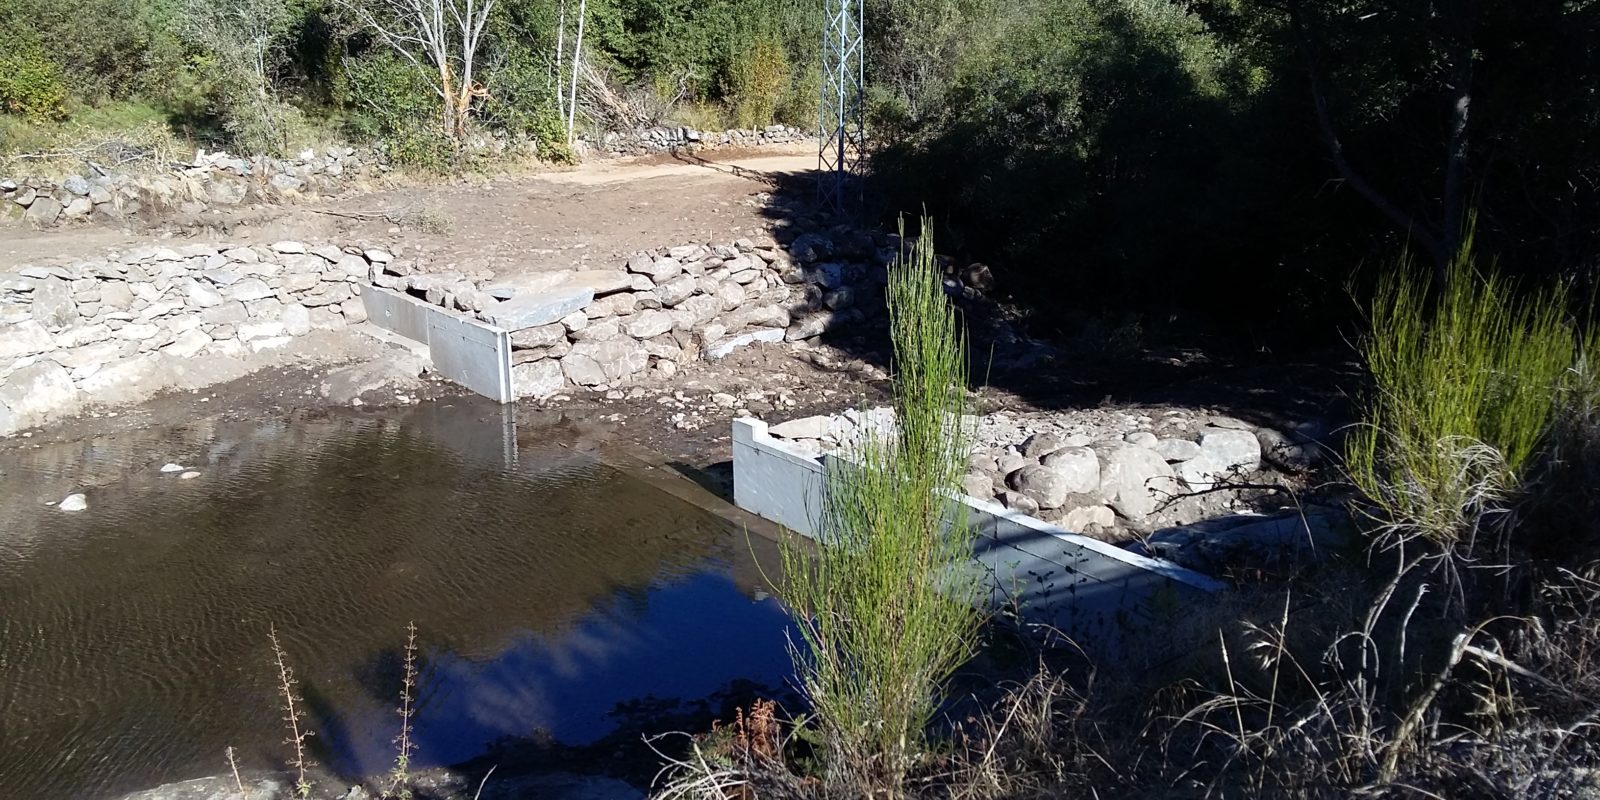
x: 591, y: 215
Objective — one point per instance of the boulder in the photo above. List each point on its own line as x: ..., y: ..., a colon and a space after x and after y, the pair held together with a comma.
x: 398, y: 370
x: 200, y: 295
x: 648, y: 324
x: 35, y: 392
x: 53, y: 306
x: 22, y: 339
x: 538, y: 380
x: 296, y: 320
x: 1224, y: 452
x: 1089, y: 518
x: 722, y: 348
x: 541, y: 336
x: 729, y: 295
x: 978, y: 485
x: 1177, y: 449
x: 1141, y: 439
x: 598, y: 331
x: 527, y: 311
x: 1046, y: 487
x: 1135, y: 480
x: 675, y: 291
x: 593, y: 363
x: 1078, y: 465
x: 814, y: 427
x: 1040, y: 445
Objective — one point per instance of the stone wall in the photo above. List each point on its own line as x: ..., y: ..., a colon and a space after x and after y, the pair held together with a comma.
x: 664, y: 139
x: 209, y: 180
x: 601, y: 328
x: 77, y: 334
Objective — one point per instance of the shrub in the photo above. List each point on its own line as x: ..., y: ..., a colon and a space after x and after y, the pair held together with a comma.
x: 1467, y: 376
x: 885, y: 608
x: 395, y: 106
x: 757, y: 78
x: 31, y: 85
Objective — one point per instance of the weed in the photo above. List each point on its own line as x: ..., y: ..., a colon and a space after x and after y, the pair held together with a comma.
x: 400, y: 776
x: 292, y: 717
x: 1467, y: 375
x: 884, y: 607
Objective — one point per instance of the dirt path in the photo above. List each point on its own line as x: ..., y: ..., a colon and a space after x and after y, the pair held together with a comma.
x: 592, y: 215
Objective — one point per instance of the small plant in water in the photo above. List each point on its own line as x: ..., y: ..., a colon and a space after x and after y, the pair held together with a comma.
x: 400, y: 776
x: 233, y: 764
x: 292, y: 716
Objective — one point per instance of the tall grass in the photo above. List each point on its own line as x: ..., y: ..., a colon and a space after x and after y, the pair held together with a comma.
x: 1467, y: 378
x: 885, y: 608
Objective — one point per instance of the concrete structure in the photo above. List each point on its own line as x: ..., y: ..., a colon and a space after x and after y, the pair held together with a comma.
x: 1097, y: 593
x: 471, y: 353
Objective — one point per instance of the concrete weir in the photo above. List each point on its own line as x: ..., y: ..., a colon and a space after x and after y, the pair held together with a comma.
x: 474, y: 354
x: 1097, y: 593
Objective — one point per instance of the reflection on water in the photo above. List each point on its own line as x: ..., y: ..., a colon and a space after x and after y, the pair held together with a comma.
x: 547, y: 587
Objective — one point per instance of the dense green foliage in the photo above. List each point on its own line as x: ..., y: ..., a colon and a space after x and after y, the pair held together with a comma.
x: 253, y: 75
x: 1171, y: 157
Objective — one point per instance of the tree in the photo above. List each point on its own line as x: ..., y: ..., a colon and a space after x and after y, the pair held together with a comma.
x: 442, y: 40
x: 244, y: 38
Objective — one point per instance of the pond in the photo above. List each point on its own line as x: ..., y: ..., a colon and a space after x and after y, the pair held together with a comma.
x: 555, y: 595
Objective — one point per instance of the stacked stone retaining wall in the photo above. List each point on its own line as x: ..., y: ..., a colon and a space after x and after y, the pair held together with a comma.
x: 76, y: 334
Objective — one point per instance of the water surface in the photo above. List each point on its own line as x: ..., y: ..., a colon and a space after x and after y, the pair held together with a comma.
x: 549, y: 590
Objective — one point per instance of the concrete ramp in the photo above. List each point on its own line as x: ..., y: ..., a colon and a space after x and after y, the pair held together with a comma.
x: 472, y: 353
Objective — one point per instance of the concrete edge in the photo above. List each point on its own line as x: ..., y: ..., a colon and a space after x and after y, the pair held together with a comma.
x: 749, y: 432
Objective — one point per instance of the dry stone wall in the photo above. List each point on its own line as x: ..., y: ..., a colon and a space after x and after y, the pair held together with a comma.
x: 602, y: 328
x: 82, y: 333
x: 664, y: 139
x: 210, y: 180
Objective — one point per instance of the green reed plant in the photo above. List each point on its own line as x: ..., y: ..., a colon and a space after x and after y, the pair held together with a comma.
x: 886, y: 607
x: 1467, y: 378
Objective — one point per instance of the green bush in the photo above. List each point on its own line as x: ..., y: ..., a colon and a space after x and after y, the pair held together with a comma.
x: 884, y: 604
x: 395, y: 106
x: 1467, y: 379
x: 758, y: 77
x: 31, y: 86
x: 521, y: 101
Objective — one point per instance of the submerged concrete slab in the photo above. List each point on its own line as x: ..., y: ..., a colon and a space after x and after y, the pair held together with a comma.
x: 534, y: 309
x: 471, y: 353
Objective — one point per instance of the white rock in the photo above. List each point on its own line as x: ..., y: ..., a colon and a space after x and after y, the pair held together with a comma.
x: 538, y: 380
x: 814, y: 427
x: 73, y: 502
x: 1084, y: 518
x: 1078, y: 465
x: 1177, y: 449
x: 296, y: 320
x: 189, y: 476
x: 171, y: 467
x: 1135, y: 480
x: 288, y: 247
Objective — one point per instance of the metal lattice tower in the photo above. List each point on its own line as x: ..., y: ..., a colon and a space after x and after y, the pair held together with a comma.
x: 843, y: 87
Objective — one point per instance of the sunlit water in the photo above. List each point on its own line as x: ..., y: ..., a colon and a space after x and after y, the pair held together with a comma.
x: 548, y: 589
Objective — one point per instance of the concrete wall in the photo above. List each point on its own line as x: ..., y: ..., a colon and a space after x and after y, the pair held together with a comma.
x: 1096, y: 593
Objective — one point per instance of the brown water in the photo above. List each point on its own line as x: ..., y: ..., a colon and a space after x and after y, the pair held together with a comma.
x: 549, y: 590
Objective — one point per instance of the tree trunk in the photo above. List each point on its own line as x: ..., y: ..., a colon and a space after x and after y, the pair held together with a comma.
x: 577, y: 56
